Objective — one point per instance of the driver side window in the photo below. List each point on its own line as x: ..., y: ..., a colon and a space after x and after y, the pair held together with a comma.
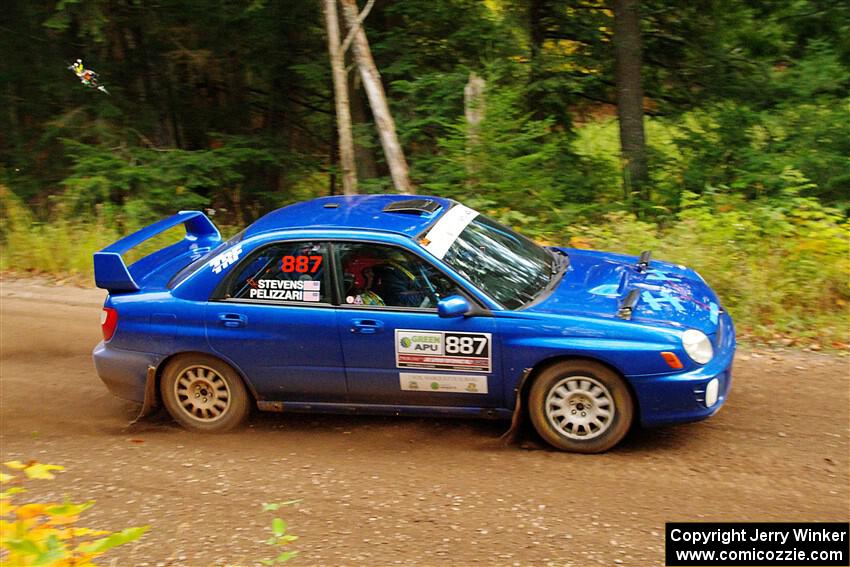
x: 387, y: 276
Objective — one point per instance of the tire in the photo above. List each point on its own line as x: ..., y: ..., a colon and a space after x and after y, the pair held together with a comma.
x: 580, y: 406
x: 202, y: 393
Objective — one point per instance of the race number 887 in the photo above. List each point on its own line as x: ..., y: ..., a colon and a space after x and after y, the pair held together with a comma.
x: 300, y: 264
x: 467, y: 345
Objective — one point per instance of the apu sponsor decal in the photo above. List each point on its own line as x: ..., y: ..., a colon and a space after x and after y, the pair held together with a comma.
x: 457, y: 383
x: 287, y: 290
x: 443, y: 350
x: 225, y: 259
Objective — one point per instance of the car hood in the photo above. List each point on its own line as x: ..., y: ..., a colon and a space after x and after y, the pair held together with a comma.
x: 596, y: 282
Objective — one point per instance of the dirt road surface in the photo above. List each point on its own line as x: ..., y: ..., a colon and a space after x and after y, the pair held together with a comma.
x: 401, y: 491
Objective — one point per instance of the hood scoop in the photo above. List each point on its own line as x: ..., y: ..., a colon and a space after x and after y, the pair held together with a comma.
x: 643, y: 262
x: 627, y: 306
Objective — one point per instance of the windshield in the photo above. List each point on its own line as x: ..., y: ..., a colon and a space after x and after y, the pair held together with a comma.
x: 505, y: 265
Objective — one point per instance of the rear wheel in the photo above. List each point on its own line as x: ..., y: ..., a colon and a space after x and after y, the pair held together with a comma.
x: 580, y: 406
x: 203, y: 393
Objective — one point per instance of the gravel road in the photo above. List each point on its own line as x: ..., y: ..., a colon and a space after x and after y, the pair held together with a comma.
x: 402, y: 491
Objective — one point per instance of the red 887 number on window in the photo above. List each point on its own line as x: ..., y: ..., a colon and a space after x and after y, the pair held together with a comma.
x: 300, y: 264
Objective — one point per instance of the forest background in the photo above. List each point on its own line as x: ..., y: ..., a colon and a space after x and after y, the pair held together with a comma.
x: 229, y: 107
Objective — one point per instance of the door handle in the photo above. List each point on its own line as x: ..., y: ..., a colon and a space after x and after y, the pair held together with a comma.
x: 232, y: 319
x: 366, y: 326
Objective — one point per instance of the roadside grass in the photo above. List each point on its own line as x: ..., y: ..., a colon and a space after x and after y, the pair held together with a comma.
x: 782, y: 270
x: 786, y: 285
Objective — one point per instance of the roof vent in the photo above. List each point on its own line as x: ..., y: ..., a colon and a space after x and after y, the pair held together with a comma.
x: 414, y: 206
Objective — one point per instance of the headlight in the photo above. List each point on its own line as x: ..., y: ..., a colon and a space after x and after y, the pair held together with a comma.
x: 697, y: 346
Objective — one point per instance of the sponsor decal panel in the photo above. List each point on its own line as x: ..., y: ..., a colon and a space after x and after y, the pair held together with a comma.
x: 287, y: 290
x: 225, y: 259
x: 443, y: 350
x: 456, y: 383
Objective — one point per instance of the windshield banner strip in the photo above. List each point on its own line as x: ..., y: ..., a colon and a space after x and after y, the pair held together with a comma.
x: 446, y: 230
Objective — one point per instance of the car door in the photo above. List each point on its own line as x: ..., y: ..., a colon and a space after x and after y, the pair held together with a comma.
x: 397, y: 349
x: 274, y: 318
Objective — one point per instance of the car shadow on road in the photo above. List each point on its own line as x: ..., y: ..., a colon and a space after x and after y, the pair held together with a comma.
x: 465, y: 433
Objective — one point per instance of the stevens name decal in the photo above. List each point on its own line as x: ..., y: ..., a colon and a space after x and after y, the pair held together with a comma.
x: 287, y: 290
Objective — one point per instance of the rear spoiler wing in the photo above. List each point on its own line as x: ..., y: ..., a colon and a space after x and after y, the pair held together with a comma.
x: 110, y: 271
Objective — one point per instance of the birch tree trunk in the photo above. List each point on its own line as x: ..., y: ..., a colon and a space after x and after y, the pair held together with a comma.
x: 474, y: 110
x: 377, y: 99
x: 343, y: 113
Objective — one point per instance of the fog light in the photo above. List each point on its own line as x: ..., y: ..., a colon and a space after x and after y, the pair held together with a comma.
x: 711, y: 392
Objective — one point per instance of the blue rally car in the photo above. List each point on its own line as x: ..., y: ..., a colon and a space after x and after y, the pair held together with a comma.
x: 408, y: 305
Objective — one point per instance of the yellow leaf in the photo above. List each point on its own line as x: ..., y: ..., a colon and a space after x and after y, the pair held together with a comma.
x: 43, y: 533
x: 80, y: 532
x: 6, y: 477
x: 28, y: 511
x: 6, y: 494
x: 69, y: 508
x: 6, y: 507
x: 42, y: 472
x: 62, y: 520
x: 6, y: 528
x: 17, y: 465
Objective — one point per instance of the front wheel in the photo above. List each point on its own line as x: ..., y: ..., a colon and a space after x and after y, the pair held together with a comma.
x: 580, y: 406
x: 203, y: 393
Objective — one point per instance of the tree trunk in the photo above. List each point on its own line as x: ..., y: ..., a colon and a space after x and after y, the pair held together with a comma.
x: 377, y: 100
x: 343, y: 113
x: 536, y: 31
x: 364, y: 150
x: 627, y: 51
x: 474, y: 111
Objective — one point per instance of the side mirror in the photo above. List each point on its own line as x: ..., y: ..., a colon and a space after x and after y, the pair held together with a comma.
x: 453, y: 306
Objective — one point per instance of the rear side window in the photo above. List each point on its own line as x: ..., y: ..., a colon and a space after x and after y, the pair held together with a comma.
x: 285, y: 272
x: 200, y: 261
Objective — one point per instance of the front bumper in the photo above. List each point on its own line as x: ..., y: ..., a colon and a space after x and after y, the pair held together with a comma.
x: 124, y: 371
x: 678, y: 398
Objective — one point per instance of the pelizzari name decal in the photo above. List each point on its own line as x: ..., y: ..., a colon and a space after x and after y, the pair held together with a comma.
x: 287, y: 290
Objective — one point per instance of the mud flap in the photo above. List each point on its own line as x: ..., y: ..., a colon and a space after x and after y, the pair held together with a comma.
x: 149, y: 403
x: 512, y: 434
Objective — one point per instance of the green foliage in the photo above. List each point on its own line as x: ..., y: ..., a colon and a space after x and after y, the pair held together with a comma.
x: 47, y: 534
x: 231, y: 110
x: 734, y: 150
x: 751, y: 152
x: 63, y: 245
x: 779, y: 265
x: 280, y: 538
x: 523, y: 169
x: 143, y: 184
